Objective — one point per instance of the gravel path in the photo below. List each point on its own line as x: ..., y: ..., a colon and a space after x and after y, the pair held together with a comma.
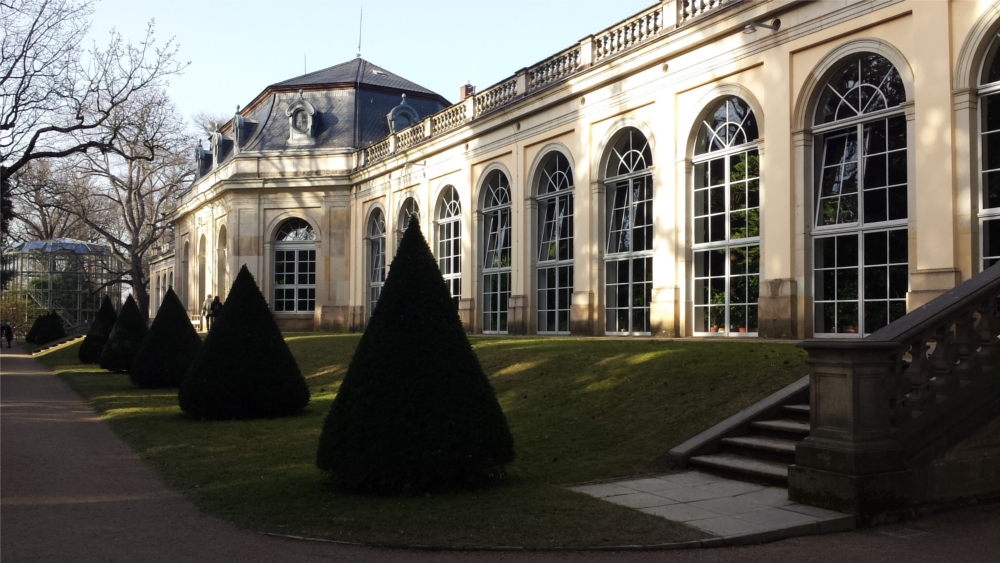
x: 70, y: 490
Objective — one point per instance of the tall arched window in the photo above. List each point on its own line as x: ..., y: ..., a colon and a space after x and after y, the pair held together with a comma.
x: 376, y: 258
x: 989, y: 130
x: 496, y: 255
x: 295, y: 267
x: 628, y: 258
x: 449, y: 240
x: 860, y: 267
x: 726, y: 241
x: 554, y: 276
x: 410, y: 208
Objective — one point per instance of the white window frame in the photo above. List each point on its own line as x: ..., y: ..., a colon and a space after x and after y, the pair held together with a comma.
x: 554, y: 192
x: 494, y: 275
x: 375, y: 267
x: 297, y: 286
x: 449, y: 239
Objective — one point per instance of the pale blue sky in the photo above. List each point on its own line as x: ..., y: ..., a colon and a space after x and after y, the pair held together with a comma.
x: 236, y: 48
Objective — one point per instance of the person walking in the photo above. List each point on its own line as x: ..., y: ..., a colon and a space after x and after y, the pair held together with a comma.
x: 206, y: 311
x: 8, y: 333
x: 215, y: 309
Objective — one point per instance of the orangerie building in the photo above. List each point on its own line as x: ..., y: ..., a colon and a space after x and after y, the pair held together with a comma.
x: 691, y: 171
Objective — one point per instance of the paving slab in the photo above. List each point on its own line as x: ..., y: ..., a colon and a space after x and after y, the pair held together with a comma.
x: 725, y: 508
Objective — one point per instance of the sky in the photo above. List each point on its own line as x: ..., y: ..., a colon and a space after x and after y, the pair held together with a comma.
x: 237, y: 48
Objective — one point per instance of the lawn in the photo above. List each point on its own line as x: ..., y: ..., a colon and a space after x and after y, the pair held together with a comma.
x: 579, y: 409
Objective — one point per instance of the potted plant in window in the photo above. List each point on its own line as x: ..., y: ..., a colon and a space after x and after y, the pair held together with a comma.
x: 717, y: 313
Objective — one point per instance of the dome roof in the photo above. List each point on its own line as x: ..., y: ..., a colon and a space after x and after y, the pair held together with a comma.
x: 62, y: 245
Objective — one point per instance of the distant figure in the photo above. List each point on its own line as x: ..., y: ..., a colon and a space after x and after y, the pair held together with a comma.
x: 215, y: 309
x: 206, y: 311
x: 8, y: 333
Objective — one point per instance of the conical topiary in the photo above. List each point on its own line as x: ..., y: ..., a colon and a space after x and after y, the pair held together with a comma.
x: 244, y: 369
x: 169, y: 348
x: 415, y: 411
x: 50, y: 329
x: 33, y: 331
x: 125, y: 338
x: 97, y: 336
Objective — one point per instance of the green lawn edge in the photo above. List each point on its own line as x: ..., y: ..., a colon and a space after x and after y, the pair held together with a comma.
x: 581, y: 410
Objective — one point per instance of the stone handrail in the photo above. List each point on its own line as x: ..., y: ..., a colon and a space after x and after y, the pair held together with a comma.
x: 634, y: 31
x: 410, y: 136
x: 690, y: 10
x: 496, y: 96
x: 554, y: 68
x: 448, y: 119
x: 628, y: 34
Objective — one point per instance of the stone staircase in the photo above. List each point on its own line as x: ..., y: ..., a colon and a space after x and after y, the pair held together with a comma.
x: 758, y: 443
x: 765, y: 453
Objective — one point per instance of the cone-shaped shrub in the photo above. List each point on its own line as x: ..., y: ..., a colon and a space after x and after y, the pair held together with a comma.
x: 51, y: 329
x: 415, y: 412
x: 97, y: 336
x: 169, y: 348
x: 33, y: 331
x: 244, y: 369
x: 125, y: 338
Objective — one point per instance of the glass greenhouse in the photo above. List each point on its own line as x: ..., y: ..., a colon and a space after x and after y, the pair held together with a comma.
x: 68, y: 276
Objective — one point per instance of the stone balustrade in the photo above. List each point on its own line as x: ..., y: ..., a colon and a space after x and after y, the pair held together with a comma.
x: 554, y: 69
x: 690, y: 10
x: 630, y: 33
x: 878, y: 402
x: 636, y: 30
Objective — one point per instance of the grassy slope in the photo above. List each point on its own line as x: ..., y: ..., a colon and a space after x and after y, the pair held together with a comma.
x: 579, y: 410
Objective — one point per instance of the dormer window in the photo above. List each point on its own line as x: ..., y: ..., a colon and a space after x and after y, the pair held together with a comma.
x: 402, y: 116
x: 301, y: 119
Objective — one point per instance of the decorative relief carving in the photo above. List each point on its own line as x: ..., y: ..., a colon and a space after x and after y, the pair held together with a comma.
x: 301, y: 122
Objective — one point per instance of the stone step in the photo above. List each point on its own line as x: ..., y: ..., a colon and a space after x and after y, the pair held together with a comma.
x: 783, y: 427
x: 798, y: 409
x: 772, y: 445
x: 743, y: 466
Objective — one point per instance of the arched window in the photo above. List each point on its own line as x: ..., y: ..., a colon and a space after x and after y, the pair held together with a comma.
x: 628, y: 258
x: 554, y: 276
x: 989, y: 130
x: 295, y: 267
x: 376, y: 258
x: 860, y: 267
x: 410, y: 208
x: 449, y: 224
x: 496, y: 255
x: 156, y: 294
x: 726, y: 241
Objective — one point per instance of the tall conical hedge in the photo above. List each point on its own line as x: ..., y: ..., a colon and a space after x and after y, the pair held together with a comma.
x: 415, y: 412
x: 93, y: 344
x: 169, y: 348
x: 50, y: 329
x: 33, y: 331
x: 244, y: 369
x: 125, y: 338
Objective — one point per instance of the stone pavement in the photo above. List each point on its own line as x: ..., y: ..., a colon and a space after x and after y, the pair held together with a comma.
x: 70, y: 490
x: 725, y: 508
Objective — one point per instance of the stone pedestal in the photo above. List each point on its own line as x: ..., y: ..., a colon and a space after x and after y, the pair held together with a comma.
x: 928, y: 284
x: 777, y: 309
x: 467, y: 312
x: 581, y: 314
x: 850, y: 463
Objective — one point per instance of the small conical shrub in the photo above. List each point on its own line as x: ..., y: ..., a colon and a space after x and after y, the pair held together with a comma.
x: 97, y: 336
x: 169, y: 348
x: 50, y: 329
x: 415, y: 412
x: 33, y: 331
x: 125, y: 338
x: 244, y: 369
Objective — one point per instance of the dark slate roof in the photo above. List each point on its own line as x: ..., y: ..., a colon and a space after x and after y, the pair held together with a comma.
x: 62, y: 245
x: 357, y: 71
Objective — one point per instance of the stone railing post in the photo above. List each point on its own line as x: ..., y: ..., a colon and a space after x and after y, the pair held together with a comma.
x: 522, y: 82
x: 428, y: 127
x: 392, y: 144
x: 850, y: 462
x: 470, y: 108
x: 669, y: 9
x: 587, y: 51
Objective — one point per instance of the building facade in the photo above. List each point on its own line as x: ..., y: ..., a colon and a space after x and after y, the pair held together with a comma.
x: 689, y: 172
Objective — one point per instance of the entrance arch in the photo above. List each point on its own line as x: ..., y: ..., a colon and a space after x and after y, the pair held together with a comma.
x: 222, y: 264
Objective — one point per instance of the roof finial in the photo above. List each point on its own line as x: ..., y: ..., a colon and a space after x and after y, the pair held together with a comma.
x: 360, y: 20
x: 300, y: 93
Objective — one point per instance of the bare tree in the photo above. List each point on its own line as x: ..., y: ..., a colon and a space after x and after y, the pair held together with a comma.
x: 41, y: 211
x: 57, y: 98
x: 207, y: 123
x: 136, y: 184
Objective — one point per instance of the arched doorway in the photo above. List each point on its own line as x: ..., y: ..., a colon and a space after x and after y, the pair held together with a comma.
x: 201, y: 273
